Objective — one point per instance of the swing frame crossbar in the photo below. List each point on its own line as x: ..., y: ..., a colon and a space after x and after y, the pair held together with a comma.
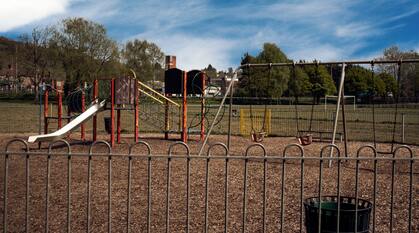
x: 347, y: 62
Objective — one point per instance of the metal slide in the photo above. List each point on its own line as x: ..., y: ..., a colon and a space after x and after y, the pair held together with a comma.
x: 86, y: 115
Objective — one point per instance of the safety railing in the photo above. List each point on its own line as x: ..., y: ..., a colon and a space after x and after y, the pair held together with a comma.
x: 163, y: 118
x: 66, y: 189
x: 154, y: 94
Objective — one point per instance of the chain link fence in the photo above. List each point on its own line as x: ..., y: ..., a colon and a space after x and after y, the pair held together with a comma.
x: 24, y: 118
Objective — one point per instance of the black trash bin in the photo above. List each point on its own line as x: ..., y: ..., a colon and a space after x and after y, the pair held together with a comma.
x: 108, y: 121
x: 329, y: 213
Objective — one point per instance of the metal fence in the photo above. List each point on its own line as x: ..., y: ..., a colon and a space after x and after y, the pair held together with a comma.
x: 138, y: 191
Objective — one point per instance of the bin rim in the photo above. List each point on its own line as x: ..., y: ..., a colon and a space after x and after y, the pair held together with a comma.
x: 365, y: 207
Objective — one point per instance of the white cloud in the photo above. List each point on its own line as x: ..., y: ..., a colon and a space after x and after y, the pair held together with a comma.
x: 319, y: 52
x: 194, y: 52
x: 371, y: 55
x: 355, y: 30
x: 18, y: 13
x: 413, y: 10
x: 96, y: 10
x: 305, y: 10
x: 201, y: 33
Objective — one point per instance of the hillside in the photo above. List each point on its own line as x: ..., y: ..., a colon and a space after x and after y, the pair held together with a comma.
x: 7, y: 54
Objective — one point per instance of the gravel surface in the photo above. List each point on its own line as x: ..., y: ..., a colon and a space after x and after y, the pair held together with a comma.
x: 216, y: 188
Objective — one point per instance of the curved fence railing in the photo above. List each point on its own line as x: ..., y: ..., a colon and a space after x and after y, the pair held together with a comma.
x: 98, y: 189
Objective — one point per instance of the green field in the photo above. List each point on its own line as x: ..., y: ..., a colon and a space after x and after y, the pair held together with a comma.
x: 23, y: 118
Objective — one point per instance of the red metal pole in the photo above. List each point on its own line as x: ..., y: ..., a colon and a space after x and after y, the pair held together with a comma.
x: 136, y: 106
x: 46, y: 112
x: 185, y: 108
x: 68, y: 119
x: 112, y: 112
x: 202, y: 107
x: 95, y: 95
x: 60, y: 105
x: 83, y: 108
x: 118, y: 126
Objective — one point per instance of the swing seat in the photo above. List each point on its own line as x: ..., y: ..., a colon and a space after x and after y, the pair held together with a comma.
x: 305, y: 140
x: 258, y: 136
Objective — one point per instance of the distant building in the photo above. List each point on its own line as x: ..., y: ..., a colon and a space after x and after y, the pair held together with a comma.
x: 222, y: 81
x: 213, y: 91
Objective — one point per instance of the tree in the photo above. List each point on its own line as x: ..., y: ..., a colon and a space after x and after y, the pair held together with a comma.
x: 264, y: 82
x: 378, y: 84
x: 244, y: 86
x: 360, y: 82
x: 390, y: 84
x: 321, y: 81
x: 84, y: 49
x: 36, y: 57
x: 409, y: 79
x: 299, y: 84
x: 8, y: 62
x: 145, y: 58
x: 356, y: 81
x: 273, y: 82
x: 210, y: 71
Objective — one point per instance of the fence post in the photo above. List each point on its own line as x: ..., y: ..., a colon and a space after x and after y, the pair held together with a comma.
x: 184, y: 135
x: 46, y: 111
x: 112, y: 112
x: 95, y: 98
x: 403, y: 124
x: 83, y: 108
x: 325, y: 103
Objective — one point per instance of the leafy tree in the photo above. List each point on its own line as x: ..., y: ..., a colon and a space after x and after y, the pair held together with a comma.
x: 390, y: 84
x: 84, y: 49
x: 321, y: 81
x: 244, y: 86
x: 264, y: 82
x: 360, y: 82
x: 274, y: 81
x: 299, y: 84
x: 379, y: 84
x: 145, y: 58
x: 210, y: 71
x: 356, y: 80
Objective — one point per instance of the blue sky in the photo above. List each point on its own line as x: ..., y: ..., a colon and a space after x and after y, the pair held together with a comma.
x: 218, y: 32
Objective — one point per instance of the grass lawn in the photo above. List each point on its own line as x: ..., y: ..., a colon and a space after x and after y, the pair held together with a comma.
x: 23, y: 118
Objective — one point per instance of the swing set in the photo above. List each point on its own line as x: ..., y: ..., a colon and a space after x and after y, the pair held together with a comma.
x: 305, y: 137
x: 258, y: 134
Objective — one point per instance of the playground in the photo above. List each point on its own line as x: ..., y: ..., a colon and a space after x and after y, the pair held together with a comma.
x: 181, y: 161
